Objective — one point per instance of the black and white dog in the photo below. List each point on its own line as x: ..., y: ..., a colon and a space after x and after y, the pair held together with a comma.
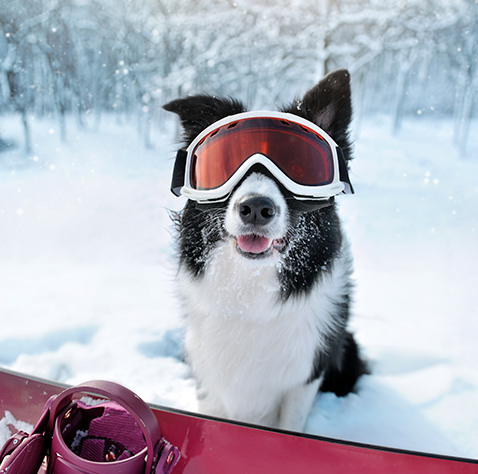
x: 265, y: 275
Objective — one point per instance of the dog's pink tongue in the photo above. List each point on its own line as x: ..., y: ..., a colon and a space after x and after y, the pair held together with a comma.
x: 253, y: 243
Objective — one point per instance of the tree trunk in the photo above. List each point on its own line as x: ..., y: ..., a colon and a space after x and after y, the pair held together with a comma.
x: 462, y: 129
x: 26, y: 131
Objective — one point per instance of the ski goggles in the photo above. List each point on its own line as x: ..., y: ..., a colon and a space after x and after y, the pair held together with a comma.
x: 302, y: 156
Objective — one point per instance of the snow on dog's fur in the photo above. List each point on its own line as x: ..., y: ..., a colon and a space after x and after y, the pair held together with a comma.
x: 267, y: 300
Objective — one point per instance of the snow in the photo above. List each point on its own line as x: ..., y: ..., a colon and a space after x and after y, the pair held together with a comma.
x: 87, y: 275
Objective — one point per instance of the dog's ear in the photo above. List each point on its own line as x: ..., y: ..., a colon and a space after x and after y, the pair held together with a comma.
x: 199, y: 111
x: 329, y: 105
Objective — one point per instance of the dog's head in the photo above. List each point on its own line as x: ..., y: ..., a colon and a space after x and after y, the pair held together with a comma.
x: 260, y: 211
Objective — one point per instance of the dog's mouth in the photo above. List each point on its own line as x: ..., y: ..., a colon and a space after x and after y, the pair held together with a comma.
x: 258, y: 246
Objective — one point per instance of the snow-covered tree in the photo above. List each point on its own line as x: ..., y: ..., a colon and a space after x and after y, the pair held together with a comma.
x: 128, y: 57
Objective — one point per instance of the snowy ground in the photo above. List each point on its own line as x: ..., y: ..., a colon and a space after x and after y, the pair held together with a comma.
x: 87, y: 275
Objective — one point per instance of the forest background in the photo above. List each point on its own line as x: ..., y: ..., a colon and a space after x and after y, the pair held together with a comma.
x: 128, y: 57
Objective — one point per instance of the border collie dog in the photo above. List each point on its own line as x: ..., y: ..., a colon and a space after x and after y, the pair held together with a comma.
x: 264, y: 267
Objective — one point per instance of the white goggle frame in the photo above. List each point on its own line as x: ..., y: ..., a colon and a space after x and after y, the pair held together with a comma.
x: 300, y: 191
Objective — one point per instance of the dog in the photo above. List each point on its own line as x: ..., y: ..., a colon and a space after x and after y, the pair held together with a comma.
x: 265, y: 275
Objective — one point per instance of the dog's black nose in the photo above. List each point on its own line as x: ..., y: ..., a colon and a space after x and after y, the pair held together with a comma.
x: 256, y: 210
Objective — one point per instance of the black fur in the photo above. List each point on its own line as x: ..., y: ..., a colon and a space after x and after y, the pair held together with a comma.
x: 200, y: 111
x: 197, y: 231
x: 342, y: 367
x: 315, y: 238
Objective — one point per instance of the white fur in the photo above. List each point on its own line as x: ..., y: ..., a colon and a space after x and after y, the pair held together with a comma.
x: 260, y: 185
x: 251, y: 353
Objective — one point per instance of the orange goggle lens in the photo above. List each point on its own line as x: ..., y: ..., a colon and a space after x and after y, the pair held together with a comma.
x: 298, y: 151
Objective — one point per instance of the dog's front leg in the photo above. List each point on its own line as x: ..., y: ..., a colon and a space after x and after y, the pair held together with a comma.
x: 296, y: 405
x: 209, y: 404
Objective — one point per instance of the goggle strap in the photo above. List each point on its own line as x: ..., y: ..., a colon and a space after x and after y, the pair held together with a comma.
x: 343, y: 172
x: 177, y: 181
x: 310, y: 204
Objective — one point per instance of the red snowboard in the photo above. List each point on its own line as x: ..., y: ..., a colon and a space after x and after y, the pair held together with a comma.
x: 210, y: 446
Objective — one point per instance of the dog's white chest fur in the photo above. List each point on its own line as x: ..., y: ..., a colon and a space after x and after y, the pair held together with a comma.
x: 252, y: 353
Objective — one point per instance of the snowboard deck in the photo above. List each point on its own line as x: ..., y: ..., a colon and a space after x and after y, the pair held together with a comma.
x: 214, y: 446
